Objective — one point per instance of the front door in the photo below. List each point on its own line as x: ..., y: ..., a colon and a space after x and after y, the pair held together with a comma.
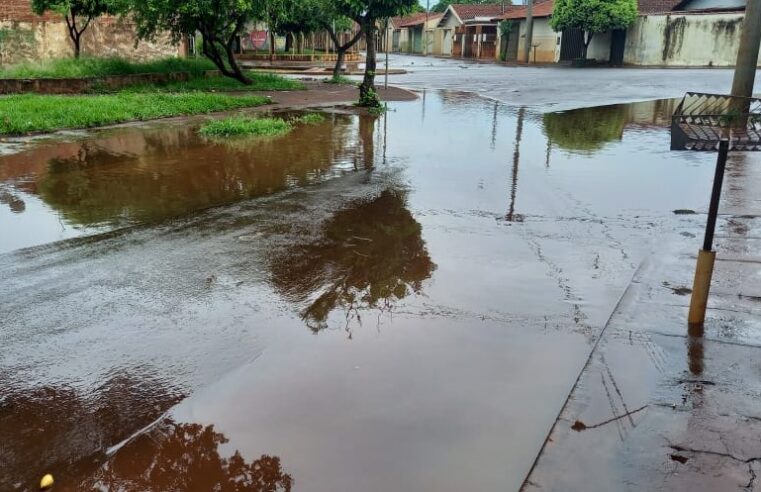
x: 446, y: 46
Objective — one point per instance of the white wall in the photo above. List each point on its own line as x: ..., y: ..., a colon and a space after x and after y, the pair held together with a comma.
x: 548, y: 50
x: 599, y: 47
x: 684, y: 40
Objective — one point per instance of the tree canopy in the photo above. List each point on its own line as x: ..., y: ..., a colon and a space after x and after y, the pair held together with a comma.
x: 367, y: 13
x: 593, y: 16
x: 442, y: 5
x: 77, y: 13
x: 218, y: 21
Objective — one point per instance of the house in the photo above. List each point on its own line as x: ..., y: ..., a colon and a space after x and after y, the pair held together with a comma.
x: 27, y: 36
x: 470, y: 31
x: 685, y: 33
x: 416, y: 34
x: 544, y: 41
x: 666, y: 33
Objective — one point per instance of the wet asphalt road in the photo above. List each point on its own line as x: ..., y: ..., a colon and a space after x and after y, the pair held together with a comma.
x: 555, y: 88
x: 406, y: 312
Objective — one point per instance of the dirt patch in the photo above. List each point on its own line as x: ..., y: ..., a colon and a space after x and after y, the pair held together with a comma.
x: 322, y: 94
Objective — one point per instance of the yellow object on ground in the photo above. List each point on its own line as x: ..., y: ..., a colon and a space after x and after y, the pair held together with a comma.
x: 46, y: 482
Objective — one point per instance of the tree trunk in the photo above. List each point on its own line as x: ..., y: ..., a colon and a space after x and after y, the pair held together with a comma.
x: 211, y: 51
x: 77, y: 45
x: 587, y: 40
x: 237, y: 72
x: 367, y: 95
x: 340, y: 49
x: 288, y: 43
x: 339, y: 62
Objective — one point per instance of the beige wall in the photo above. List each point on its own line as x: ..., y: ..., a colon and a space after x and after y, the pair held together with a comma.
x: 548, y: 50
x: 684, y: 40
x: 23, y: 41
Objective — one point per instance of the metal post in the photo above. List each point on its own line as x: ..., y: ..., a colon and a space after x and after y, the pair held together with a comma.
x: 706, y: 256
x: 425, y: 27
x: 385, y: 74
x: 747, y: 54
x: 530, y: 30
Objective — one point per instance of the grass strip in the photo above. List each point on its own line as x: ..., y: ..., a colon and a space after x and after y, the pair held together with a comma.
x: 309, y: 119
x: 238, y: 126
x: 98, y: 67
x: 246, y: 126
x: 341, y: 80
x: 34, y: 113
x: 261, y: 82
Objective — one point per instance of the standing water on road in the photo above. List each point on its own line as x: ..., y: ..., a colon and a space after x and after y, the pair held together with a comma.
x: 391, y: 303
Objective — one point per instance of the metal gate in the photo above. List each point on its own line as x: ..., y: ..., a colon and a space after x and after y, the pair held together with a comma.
x: 617, y: 45
x: 572, y: 44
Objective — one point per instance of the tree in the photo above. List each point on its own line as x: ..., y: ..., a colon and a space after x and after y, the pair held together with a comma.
x: 442, y: 5
x: 77, y: 13
x: 311, y: 15
x: 593, y: 16
x: 367, y: 13
x: 218, y: 21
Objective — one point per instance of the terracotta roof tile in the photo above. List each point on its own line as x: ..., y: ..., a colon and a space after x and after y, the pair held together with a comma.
x: 541, y: 8
x: 657, y: 6
x: 414, y: 19
x: 467, y: 11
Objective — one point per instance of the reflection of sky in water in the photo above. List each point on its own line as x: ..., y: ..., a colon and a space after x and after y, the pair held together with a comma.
x: 37, y: 224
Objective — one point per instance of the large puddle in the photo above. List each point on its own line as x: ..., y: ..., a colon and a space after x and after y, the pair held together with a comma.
x: 372, y: 303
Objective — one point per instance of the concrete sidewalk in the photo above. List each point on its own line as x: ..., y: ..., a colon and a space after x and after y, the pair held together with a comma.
x: 657, y: 408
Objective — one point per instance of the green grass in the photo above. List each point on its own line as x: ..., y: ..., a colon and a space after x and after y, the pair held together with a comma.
x: 340, y: 80
x: 309, y: 119
x: 237, y: 126
x: 261, y: 82
x: 33, y: 113
x: 98, y: 67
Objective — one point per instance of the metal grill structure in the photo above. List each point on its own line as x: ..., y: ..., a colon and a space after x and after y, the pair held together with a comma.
x: 701, y: 121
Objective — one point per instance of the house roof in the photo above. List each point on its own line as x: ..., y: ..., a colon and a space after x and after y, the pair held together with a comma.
x: 466, y: 12
x: 657, y: 6
x: 542, y: 8
x: 414, y: 19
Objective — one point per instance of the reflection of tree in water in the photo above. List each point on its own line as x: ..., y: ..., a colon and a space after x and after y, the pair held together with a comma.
x: 151, y: 175
x: 369, y: 255
x: 185, y: 457
x: 66, y: 431
x: 15, y: 204
x: 587, y: 129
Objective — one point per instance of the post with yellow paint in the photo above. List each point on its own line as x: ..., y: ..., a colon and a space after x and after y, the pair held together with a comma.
x: 706, y: 256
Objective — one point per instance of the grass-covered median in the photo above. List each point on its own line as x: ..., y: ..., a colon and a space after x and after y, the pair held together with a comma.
x: 260, y: 82
x: 32, y: 113
x: 241, y: 126
x: 61, y: 68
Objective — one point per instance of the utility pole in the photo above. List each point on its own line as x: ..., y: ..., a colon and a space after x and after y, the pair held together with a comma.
x: 425, y: 27
x: 529, y: 29
x: 385, y: 73
x: 747, y: 54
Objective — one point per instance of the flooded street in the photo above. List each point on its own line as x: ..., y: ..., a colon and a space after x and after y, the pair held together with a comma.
x: 383, y: 303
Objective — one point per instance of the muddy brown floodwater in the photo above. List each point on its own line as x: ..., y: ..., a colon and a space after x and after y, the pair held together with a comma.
x: 372, y: 303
